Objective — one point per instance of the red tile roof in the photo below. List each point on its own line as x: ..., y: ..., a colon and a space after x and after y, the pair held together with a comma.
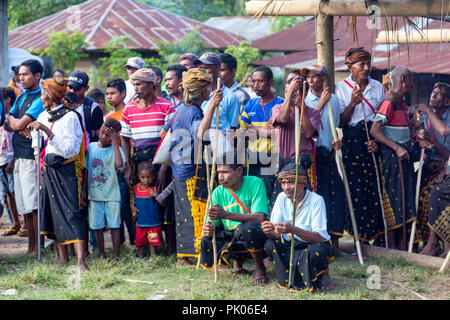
x: 101, y: 20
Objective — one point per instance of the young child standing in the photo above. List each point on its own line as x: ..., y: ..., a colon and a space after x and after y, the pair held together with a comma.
x: 116, y: 91
x: 145, y: 208
x: 104, y: 158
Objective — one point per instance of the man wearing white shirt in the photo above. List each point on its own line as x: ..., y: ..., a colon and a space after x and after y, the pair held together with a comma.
x: 133, y: 65
x: 360, y: 97
x: 312, y: 252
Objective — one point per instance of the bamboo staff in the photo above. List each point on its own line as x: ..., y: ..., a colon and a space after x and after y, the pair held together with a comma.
x: 347, y: 188
x: 378, y: 177
x: 444, y: 264
x: 37, y: 149
x: 211, y: 186
x: 419, y: 177
x: 298, y: 135
x: 402, y: 185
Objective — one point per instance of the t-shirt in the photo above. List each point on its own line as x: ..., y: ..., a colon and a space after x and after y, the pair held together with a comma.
x: 286, y: 133
x: 182, y: 151
x: 392, y: 114
x: 29, y: 103
x: 433, y: 135
x: 325, y: 138
x: 103, y: 184
x: 116, y: 115
x: 258, y: 116
x: 229, y: 110
x: 312, y: 216
x: 130, y: 91
x: 6, y: 146
x: 148, y: 213
x: 144, y: 125
x: 252, y: 195
x: 169, y: 123
x: 241, y: 94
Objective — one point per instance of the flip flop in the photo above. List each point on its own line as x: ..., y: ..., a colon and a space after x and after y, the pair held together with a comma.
x: 326, y: 284
x: 23, y: 232
x: 11, y: 231
x: 240, y: 271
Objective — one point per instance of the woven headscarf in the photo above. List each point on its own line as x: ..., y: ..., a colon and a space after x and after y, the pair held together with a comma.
x: 386, y: 79
x: 144, y: 74
x: 354, y: 55
x: 290, y: 174
x: 56, y: 88
x: 194, y: 80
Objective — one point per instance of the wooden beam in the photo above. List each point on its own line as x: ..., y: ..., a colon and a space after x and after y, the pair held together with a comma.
x: 420, y: 8
x: 374, y: 251
x: 414, y: 36
x: 325, y: 46
x: 4, y: 63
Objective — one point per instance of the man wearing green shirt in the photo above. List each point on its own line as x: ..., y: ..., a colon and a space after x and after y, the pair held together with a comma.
x: 239, y: 205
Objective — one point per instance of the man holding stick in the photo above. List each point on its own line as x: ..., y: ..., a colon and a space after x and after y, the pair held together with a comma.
x: 313, y: 252
x: 391, y: 128
x: 329, y: 182
x: 239, y: 205
x: 359, y: 98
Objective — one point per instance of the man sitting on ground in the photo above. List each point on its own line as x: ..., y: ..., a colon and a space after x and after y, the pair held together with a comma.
x: 312, y: 252
x: 239, y: 205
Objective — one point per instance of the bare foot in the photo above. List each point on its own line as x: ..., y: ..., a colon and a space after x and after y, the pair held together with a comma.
x: 443, y: 254
x: 184, y: 263
x: 82, y: 266
x: 260, y: 278
x: 430, y: 249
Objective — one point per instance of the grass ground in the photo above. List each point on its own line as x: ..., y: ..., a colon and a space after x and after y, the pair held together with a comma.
x: 114, y: 280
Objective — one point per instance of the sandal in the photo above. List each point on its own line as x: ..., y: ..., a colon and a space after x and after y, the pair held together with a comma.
x: 11, y: 231
x: 240, y: 271
x: 328, y: 286
x: 23, y: 232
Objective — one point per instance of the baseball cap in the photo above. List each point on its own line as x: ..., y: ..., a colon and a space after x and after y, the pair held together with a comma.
x: 209, y: 58
x: 135, y: 62
x: 78, y: 79
x: 315, y: 68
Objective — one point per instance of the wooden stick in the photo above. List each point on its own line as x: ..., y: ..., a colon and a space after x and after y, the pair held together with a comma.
x: 298, y: 134
x: 378, y: 178
x: 419, y: 177
x: 402, y: 186
x: 445, y: 262
x: 347, y: 188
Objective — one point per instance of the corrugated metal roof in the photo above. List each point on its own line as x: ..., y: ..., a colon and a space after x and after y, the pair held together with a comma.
x: 423, y: 58
x: 101, y: 20
x: 246, y: 27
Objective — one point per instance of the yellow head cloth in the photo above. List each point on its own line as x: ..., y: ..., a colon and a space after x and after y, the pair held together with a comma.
x: 56, y: 88
x: 194, y: 80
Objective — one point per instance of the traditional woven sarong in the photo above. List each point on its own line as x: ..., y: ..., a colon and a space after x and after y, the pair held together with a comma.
x: 392, y: 184
x: 61, y: 216
x: 247, y: 237
x: 439, y: 213
x: 331, y: 188
x: 190, y: 198
x: 309, y: 262
x: 362, y: 182
x: 429, y: 179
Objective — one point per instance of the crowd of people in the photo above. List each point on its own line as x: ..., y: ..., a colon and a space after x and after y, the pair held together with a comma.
x: 207, y: 165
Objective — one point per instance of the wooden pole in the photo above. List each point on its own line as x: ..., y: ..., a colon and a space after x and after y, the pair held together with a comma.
x: 401, y: 8
x: 325, y: 45
x: 374, y: 251
x: 444, y: 264
x: 419, y: 177
x: 298, y: 134
x: 346, y: 186
x: 413, y: 36
x: 4, y: 63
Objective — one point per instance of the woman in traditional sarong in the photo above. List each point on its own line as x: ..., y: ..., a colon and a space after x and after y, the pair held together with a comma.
x: 313, y: 252
x: 62, y: 219
x: 190, y: 187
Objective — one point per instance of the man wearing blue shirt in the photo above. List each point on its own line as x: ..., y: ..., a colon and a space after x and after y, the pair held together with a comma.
x: 26, y: 109
x: 229, y: 106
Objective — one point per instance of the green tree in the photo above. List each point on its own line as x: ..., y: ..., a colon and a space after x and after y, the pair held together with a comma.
x: 117, y: 54
x: 21, y: 12
x: 277, y: 24
x: 244, y: 54
x: 65, y: 49
x: 200, y: 9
